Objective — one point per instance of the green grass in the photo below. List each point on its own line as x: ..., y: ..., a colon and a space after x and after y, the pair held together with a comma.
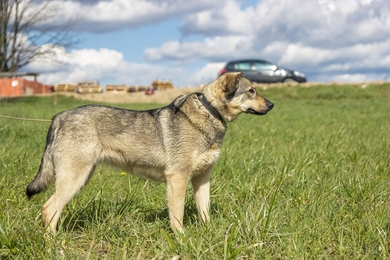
x: 310, y: 180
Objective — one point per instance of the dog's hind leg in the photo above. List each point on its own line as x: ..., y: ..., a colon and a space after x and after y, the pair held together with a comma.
x: 201, y: 187
x: 176, y: 187
x: 69, y: 181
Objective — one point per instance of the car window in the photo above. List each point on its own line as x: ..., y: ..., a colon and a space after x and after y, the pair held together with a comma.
x: 243, y: 65
x: 230, y: 66
x: 263, y: 65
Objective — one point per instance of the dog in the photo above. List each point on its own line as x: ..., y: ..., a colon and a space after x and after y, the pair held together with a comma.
x: 176, y: 144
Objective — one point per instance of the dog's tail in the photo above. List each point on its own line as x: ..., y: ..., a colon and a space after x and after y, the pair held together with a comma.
x: 45, y: 175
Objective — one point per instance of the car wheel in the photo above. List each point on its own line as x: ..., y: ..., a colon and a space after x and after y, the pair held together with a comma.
x: 289, y: 80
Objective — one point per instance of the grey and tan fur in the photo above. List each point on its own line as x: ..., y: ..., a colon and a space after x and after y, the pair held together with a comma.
x: 182, y: 145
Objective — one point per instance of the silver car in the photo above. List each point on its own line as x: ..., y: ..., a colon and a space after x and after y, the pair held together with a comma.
x: 263, y: 71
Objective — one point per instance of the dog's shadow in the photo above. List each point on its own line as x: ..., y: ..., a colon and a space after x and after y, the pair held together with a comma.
x: 97, y: 212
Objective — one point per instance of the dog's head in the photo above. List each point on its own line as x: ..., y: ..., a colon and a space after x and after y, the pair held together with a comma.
x: 232, y: 94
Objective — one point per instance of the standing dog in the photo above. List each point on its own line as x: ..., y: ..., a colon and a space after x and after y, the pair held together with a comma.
x: 182, y: 144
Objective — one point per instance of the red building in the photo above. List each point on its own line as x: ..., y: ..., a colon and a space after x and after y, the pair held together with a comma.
x: 13, y: 84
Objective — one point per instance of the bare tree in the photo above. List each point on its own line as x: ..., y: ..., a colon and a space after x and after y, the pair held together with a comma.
x: 26, y: 32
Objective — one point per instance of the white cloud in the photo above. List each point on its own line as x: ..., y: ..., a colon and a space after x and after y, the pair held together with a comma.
x: 221, y: 20
x: 104, y: 16
x: 78, y: 65
x: 210, y: 48
x: 354, y: 78
x: 371, y: 55
x: 207, y: 73
x: 102, y: 65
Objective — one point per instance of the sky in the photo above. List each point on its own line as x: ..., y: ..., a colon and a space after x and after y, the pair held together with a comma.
x: 134, y: 42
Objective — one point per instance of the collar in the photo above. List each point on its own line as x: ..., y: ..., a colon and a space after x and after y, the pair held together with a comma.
x: 209, y: 107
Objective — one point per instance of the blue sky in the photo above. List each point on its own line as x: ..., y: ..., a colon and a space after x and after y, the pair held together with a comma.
x: 134, y: 42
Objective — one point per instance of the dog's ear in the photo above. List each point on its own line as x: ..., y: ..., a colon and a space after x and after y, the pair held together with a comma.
x: 231, y: 81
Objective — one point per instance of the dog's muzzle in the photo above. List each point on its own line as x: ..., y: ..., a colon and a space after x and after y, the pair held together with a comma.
x: 269, y: 105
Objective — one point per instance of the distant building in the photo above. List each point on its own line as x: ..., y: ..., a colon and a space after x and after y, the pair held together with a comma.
x: 14, y: 84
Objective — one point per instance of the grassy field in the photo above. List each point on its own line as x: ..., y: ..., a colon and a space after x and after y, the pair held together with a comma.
x: 310, y: 180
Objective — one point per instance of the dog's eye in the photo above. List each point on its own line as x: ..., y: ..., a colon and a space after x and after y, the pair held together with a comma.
x: 252, y: 91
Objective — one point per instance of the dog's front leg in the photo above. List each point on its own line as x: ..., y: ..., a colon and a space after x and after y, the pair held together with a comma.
x: 201, y: 186
x: 176, y: 187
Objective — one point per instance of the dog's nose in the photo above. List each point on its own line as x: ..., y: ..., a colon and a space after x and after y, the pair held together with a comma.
x: 270, y: 105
